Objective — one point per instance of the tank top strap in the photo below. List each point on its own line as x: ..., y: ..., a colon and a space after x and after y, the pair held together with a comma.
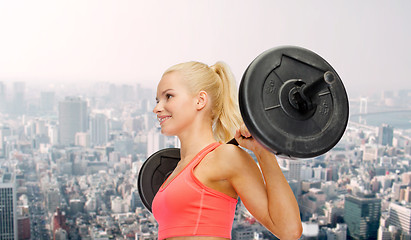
x: 204, y: 153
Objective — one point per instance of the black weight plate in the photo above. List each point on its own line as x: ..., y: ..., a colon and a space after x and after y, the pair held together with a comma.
x: 154, y: 172
x: 302, y: 136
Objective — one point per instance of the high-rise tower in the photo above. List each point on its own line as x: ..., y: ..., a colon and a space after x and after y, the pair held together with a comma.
x: 99, y: 129
x: 19, y: 102
x: 362, y: 216
x: 400, y: 217
x: 73, y: 118
x: 8, y: 206
x: 385, y: 135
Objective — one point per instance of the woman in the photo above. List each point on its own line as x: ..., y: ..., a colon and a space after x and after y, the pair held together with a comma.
x: 198, y: 104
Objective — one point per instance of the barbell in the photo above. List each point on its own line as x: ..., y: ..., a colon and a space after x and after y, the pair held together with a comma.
x: 291, y: 100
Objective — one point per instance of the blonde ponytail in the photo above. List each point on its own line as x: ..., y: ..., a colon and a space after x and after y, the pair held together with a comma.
x: 228, y: 117
x: 219, y: 83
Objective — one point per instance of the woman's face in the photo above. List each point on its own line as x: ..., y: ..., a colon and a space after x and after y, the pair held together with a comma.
x: 176, y: 107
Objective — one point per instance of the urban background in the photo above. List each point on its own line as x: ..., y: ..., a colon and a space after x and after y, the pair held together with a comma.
x: 77, y: 83
x: 70, y: 157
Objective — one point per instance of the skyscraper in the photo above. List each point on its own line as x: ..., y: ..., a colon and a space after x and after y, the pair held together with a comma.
x: 60, y: 227
x: 385, y: 135
x: 5, y: 131
x: 400, y: 217
x: 362, y: 216
x: 99, y: 129
x: 73, y: 118
x: 293, y: 166
x: 8, y: 206
x: 19, y: 102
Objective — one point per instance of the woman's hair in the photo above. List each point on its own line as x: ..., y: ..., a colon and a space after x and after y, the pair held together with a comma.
x: 219, y: 83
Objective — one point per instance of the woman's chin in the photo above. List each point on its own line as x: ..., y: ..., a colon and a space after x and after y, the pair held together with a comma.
x: 166, y: 133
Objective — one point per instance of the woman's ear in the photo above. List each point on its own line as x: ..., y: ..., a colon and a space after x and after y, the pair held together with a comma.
x: 202, y: 100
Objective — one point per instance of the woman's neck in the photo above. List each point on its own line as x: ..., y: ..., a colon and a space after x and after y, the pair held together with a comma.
x: 194, y: 140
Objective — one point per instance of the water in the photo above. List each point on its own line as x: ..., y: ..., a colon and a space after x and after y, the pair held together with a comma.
x: 398, y: 120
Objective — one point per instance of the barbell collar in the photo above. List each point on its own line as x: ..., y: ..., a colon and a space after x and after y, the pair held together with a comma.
x: 318, y: 85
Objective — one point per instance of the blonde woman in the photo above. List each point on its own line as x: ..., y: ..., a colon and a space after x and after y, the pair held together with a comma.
x: 198, y: 104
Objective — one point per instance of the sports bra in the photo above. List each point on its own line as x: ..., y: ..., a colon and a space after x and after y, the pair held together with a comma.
x: 186, y: 207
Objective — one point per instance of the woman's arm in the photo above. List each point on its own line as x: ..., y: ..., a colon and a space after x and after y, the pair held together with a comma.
x: 266, y: 193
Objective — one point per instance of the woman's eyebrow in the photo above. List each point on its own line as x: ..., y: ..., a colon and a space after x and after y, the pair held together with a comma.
x: 163, y: 92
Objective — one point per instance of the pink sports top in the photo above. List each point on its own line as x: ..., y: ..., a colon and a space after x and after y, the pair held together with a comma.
x: 186, y: 207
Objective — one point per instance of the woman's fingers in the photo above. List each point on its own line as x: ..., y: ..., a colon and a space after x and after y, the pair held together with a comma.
x: 244, y: 131
x: 246, y: 140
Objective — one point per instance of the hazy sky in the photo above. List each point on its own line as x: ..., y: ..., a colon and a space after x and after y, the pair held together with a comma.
x: 367, y: 42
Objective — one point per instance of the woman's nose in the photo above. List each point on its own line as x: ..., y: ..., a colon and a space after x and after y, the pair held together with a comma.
x: 157, y: 108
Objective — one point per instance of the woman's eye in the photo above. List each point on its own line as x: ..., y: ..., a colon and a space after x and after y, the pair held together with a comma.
x: 168, y: 96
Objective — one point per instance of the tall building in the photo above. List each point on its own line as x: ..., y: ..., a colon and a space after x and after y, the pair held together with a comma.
x: 385, y: 135
x: 8, y: 207
x: 73, y: 118
x: 5, y: 132
x: 60, y: 228
x: 53, y: 133
x: 99, y: 129
x: 362, y: 215
x: 294, y: 168
x: 24, y: 228
x: 400, y: 217
x: 2, y: 143
x: 53, y: 199
x: 19, y: 102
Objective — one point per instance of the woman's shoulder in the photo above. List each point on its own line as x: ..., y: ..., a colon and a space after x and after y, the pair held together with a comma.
x: 227, y: 148
x: 232, y: 156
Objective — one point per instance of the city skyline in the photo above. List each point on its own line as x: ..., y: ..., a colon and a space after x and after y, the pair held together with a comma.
x: 84, y: 185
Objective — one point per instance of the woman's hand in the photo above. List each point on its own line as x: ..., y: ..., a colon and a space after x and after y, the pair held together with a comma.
x: 244, y: 139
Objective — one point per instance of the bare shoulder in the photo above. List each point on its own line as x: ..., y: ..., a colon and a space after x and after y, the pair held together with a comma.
x: 231, y: 157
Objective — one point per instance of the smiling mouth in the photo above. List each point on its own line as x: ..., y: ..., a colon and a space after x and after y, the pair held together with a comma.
x: 162, y: 119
